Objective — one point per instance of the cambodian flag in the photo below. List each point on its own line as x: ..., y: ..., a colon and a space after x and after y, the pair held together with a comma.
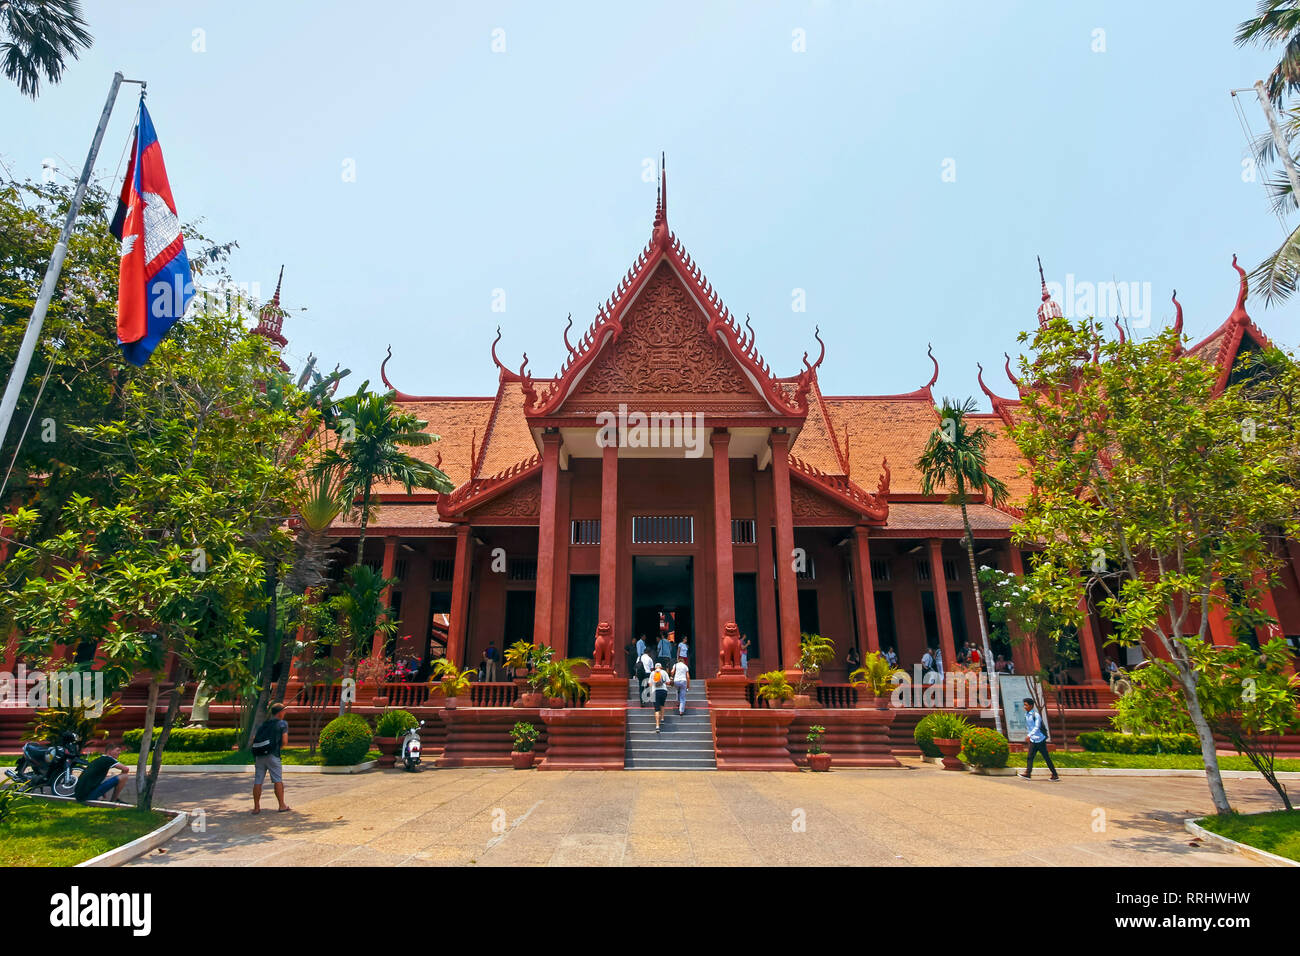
x: 155, y: 284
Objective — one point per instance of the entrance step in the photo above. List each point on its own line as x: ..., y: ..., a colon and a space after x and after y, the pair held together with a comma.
x: 684, y: 743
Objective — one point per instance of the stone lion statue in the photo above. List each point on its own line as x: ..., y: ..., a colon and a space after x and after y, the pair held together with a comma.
x: 603, y: 654
x: 729, y: 656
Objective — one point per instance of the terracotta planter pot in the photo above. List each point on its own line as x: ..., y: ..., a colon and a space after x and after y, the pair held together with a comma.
x: 803, y: 700
x: 555, y: 703
x: 366, y: 695
x: 521, y: 761
x: 531, y: 699
x: 381, y: 701
x: 387, y: 750
x: 788, y: 704
x: 820, y: 763
x: 453, y: 702
x: 949, y: 747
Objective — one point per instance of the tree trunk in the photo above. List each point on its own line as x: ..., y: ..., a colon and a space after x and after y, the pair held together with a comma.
x: 979, y: 611
x: 145, y: 785
x: 270, y: 652
x: 361, y: 545
x: 141, y: 798
x: 1217, y: 794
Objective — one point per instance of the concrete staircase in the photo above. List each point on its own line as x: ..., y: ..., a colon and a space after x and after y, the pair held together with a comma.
x: 685, y: 743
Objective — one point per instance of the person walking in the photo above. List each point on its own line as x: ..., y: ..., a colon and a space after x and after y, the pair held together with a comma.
x: 644, y: 668
x: 682, y: 681
x: 1036, y: 737
x: 665, y: 651
x: 490, y: 662
x: 640, y: 646
x: 683, y: 648
x: 659, y: 687
x: 744, y: 654
x: 271, y: 737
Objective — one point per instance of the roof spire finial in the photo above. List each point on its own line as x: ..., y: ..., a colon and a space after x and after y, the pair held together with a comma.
x: 663, y: 185
x: 659, y: 235
x: 929, y: 350
x: 1049, y: 309
x: 1239, y: 313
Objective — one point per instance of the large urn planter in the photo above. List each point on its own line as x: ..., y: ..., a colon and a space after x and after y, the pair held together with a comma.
x: 949, y: 747
x: 556, y: 703
x: 451, y: 703
x: 521, y: 761
x: 387, y: 750
x: 531, y: 699
x: 802, y: 701
x: 819, y: 763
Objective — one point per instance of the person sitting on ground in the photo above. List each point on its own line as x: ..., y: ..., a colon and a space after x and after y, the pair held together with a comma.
x: 104, y: 773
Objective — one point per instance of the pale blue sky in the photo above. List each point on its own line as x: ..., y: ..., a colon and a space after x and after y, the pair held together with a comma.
x: 818, y: 170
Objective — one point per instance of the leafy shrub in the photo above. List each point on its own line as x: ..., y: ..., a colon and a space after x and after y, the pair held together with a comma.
x: 985, y: 747
x: 49, y: 725
x: 11, y: 802
x: 345, y: 740
x: 1102, y: 741
x: 186, y: 739
x: 940, y: 724
x: 815, y: 734
x: 524, y: 735
x: 773, y: 686
x: 394, y: 723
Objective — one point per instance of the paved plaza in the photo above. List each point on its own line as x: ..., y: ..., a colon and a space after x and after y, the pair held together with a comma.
x: 920, y: 815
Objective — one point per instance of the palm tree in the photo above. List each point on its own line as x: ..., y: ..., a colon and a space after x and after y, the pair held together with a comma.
x: 1278, y: 22
x: 957, y: 457
x: 39, y: 35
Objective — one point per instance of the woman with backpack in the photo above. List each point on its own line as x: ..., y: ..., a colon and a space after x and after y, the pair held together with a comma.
x: 659, y: 687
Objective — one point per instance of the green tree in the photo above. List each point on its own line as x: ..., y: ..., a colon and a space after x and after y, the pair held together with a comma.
x: 956, y: 457
x: 38, y: 37
x: 1154, y: 490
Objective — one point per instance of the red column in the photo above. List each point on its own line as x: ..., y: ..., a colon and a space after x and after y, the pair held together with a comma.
x: 546, y: 540
x: 939, y: 581
x: 766, y: 640
x: 560, y: 594
x: 1025, y: 651
x: 1088, y: 648
x: 608, y: 535
x: 787, y: 587
x: 724, y: 576
x: 389, y: 566
x: 458, y: 626
x: 864, y: 592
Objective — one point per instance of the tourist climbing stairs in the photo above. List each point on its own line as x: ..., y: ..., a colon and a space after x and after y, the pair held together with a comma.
x: 685, y: 742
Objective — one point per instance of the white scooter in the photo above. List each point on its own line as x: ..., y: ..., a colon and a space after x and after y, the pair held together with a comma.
x: 410, y: 750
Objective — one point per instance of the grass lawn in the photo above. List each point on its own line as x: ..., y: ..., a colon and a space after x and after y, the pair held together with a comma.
x: 58, y: 833
x: 1277, y: 832
x: 1087, y: 758
x: 296, y: 756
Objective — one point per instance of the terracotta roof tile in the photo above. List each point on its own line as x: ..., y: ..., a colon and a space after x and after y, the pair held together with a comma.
x: 509, y: 439
x: 815, y: 443
x: 880, y: 428
x: 389, y: 514
x: 909, y: 516
x: 455, y: 421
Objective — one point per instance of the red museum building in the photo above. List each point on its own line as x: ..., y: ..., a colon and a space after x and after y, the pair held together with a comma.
x: 732, y: 494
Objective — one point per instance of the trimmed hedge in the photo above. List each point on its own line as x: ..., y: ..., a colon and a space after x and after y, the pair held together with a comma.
x: 345, y: 740
x: 186, y: 739
x: 394, y: 723
x: 1102, y: 741
x: 985, y: 747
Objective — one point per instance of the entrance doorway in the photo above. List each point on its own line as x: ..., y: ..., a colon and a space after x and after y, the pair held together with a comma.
x: 664, y: 584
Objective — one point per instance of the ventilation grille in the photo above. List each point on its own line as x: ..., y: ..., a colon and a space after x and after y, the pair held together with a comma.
x: 663, y: 529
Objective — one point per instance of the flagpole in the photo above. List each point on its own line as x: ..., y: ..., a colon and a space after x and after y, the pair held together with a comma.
x: 33, y: 333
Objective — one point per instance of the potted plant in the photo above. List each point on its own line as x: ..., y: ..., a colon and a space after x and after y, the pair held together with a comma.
x: 558, y: 682
x: 371, y: 672
x: 945, y: 730
x: 455, y: 682
x: 522, y: 655
x: 389, y: 729
x: 818, y: 760
x: 814, y: 651
x: 875, y: 681
x: 524, y: 735
x: 775, y: 688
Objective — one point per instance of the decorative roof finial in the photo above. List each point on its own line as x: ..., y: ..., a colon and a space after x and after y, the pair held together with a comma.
x: 1049, y: 309
x: 663, y: 185
x: 496, y: 360
x: 270, y: 318
x: 1178, y: 324
x: 659, y: 233
x: 1122, y: 337
x: 1014, y: 381
x: 929, y: 350
x: 984, y: 388
x: 1239, y: 313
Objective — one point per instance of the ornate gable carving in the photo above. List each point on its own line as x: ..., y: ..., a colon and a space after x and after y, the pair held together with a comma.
x: 666, y: 349
x: 806, y: 503
x: 523, y: 501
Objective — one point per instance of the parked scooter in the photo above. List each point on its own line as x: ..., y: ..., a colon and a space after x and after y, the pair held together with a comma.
x: 50, y: 767
x: 410, y: 751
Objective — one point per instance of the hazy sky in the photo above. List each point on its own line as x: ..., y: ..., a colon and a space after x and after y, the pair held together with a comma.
x: 903, y: 168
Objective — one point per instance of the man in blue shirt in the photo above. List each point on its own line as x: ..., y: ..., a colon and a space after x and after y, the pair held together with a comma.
x: 665, y: 650
x: 1036, y: 738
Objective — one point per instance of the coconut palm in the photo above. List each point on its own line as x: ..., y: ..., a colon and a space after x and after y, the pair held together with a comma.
x: 956, y: 457
x: 1276, y: 22
x: 38, y: 37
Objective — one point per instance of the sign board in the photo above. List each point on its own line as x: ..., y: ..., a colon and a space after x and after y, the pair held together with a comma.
x: 1012, y: 691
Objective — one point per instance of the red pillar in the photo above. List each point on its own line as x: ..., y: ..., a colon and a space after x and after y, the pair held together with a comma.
x: 1088, y: 648
x: 389, y: 566
x: 939, y: 581
x: 787, y: 587
x: 766, y: 640
x: 724, y: 568
x: 458, y: 626
x: 608, y: 534
x: 864, y: 592
x: 546, y: 541
x: 1024, y: 653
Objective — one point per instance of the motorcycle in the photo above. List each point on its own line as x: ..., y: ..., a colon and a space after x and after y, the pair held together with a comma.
x: 410, y: 749
x: 54, y: 767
